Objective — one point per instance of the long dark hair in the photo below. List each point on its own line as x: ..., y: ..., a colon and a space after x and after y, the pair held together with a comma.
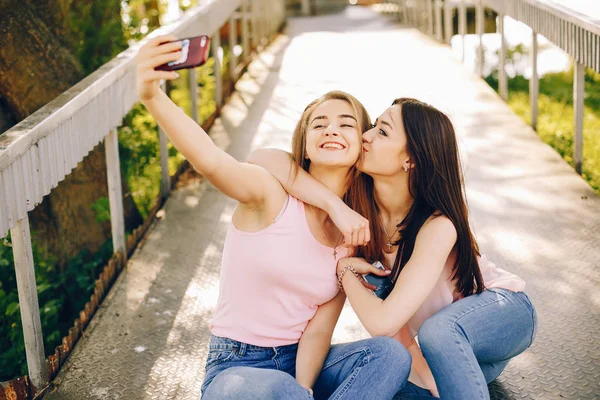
x: 437, y: 187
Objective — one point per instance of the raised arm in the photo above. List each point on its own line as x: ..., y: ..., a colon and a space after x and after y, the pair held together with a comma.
x: 246, y: 183
x: 301, y: 185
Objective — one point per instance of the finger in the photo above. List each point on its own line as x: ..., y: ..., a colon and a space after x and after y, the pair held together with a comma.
x: 348, y: 239
x: 157, y: 41
x: 354, y: 237
x: 162, y: 59
x: 165, y: 48
x: 158, y: 75
x: 152, y: 44
x: 367, y: 284
x: 360, y: 237
x: 367, y: 232
x: 380, y: 272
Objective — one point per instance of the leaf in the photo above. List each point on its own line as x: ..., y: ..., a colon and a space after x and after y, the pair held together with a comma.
x: 11, y: 309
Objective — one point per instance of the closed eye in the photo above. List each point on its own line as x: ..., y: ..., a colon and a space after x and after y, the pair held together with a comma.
x: 347, y: 126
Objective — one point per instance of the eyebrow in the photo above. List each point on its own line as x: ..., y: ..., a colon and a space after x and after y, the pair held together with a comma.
x: 339, y: 116
x: 383, y: 122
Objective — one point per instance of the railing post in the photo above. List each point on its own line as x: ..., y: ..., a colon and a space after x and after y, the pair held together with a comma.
x: 430, y: 17
x: 533, y: 81
x: 232, y: 44
x: 462, y: 26
x: 415, y: 13
x: 253, y: 19
x: 447, y: 21
x: 306, y: 7
x: 193, y: 84
x: 578, y: 93
x: 163, y: 143
x: 480, y: 29
x: 245, y: 31
x: 28, y: 303
x: 502, y: 80
x: 438, y: 21
x: 216, y: 46
x: 115, y: 192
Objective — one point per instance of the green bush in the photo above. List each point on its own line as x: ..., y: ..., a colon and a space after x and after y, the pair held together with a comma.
x: 556, y: 123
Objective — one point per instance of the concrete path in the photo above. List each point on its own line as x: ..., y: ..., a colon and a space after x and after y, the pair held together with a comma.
x: 532, y: 215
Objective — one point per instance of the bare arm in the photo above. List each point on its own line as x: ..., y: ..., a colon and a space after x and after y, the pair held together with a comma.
x: 316, y: 340
x: 301, y: 185
x: 386, y: 317
x: 420, y: 373
x: 246, y: 183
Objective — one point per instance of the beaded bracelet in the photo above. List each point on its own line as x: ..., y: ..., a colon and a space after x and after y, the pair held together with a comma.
x: 349, y: 267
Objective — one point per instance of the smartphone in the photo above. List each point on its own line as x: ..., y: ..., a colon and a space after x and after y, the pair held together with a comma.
x: 194, y: 52
x: 383, y: 283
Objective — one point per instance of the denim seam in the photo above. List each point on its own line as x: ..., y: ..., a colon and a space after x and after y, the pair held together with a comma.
x: 364, y: 350
x: 366, y: 359
x: 455, y: 323
x: 218, y: 361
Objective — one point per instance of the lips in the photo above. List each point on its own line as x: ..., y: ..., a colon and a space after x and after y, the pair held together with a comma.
x: 332, y: 145
x: 365, y: 149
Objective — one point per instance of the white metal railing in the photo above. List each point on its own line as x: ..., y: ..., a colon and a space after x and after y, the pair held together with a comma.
x: 37, y: 153
x: 576, y: 33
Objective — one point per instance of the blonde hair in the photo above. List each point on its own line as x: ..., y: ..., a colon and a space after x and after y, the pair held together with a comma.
x: 299, y: 137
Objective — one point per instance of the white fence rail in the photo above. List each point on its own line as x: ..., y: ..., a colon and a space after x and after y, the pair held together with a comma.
x: 37, y: 153
x: 576, y: 33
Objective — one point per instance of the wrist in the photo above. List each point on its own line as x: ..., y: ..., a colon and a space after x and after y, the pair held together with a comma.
x: 150, y: 100
x: 342, y: 262
x: 333, y: 203
x: 348, y: 268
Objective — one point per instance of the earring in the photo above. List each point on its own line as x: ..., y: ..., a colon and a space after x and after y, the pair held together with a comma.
x: 405, y: 168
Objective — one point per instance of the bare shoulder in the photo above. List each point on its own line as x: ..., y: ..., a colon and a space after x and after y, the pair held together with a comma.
x: 439, y: 227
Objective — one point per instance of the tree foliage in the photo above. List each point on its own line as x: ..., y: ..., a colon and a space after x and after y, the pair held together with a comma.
x: 99, y: 29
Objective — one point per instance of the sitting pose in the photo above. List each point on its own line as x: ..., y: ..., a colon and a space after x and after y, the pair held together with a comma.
x: 470, y: 317
x: 279, y: 297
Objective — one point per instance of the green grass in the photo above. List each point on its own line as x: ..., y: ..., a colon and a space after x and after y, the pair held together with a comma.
x: 556, y: 122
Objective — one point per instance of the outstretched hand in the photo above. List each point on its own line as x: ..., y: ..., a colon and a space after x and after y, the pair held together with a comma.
x: 152, y: 54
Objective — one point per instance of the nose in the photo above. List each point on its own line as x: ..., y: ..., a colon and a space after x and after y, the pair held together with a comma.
x: 331, y: 130
x: 368, y: 136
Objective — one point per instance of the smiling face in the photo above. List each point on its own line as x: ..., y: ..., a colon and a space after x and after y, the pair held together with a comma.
x: 385, y: 145
x: 333, y: 135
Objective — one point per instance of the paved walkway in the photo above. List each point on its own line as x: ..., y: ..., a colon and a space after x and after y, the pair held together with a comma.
x: 532, y: 215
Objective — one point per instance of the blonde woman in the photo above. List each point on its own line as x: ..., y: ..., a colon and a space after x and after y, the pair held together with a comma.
x: 279, y: 298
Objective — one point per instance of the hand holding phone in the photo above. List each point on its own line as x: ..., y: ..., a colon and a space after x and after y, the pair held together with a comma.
x: 194, y: 53
x: 383, y: 283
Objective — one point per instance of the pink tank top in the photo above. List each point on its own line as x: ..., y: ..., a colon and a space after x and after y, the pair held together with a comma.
x: 444, y: 292
x: 273, y: 280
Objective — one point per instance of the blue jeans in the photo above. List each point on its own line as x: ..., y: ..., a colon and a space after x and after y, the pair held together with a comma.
x: 469, y: 343
x: 370, y: 368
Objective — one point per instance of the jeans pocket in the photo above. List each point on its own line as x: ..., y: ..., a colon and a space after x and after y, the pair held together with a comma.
x: 218, y: 356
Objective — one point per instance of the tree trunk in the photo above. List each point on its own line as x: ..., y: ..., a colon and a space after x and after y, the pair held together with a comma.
x: 36, y: 65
